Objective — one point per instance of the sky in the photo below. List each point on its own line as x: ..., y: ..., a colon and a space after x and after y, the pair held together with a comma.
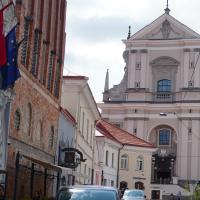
x: 95, y: 29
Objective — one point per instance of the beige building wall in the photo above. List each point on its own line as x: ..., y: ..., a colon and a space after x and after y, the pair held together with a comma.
x: 78, y: 99
x: 131, y: 174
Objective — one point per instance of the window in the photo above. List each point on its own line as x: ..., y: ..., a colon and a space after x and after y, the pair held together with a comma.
x: 137, y: 84
x: 17, y: 119
x: 138, y: 65
x: 87, y: 129
x: 140, y: 163
x: 112, y: 183
x: 105, y: 182
x: 83, y: 121
x: 51, y: 137
x: 29, y: 119
x: 38, y: 130
x: 112, y: 160
x: 190, y: 83
x: 164, y: 137
x: 124, y: 162
x: 107, y: 158
x: 164, y: 85
x: 27, y: 21
x: 50, y: 70
x: 191, y: 64
x: 35, y: 55
x: 57, y: 79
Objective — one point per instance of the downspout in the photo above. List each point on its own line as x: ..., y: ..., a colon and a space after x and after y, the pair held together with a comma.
x: 119, y: 150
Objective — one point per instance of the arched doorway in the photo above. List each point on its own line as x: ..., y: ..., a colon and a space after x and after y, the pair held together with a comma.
x: 164, y: 159
x: 123, y: 185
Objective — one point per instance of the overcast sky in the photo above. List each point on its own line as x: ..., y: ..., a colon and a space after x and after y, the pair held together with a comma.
x: 95, y: 29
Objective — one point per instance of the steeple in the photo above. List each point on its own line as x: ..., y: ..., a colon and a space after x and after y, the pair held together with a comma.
x: 106, y: 87
x: 167, y: 10
x: 129, y: 32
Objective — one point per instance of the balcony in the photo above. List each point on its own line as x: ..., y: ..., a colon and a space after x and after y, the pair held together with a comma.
x: 163, y: 97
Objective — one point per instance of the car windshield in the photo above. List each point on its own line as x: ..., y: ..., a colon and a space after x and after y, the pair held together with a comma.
x: 87, y: 194
x: 134, y: 193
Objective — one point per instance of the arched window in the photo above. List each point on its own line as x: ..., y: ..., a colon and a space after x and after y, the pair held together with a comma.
x: 51, y: 137
x: 140, y: 163
x: 139, y: 185
x: 17, y: 119
x: 39, y: 134
x: 164, y: 137
x: 124, y: 162
x: 28, y: 119
x: 164, y: 85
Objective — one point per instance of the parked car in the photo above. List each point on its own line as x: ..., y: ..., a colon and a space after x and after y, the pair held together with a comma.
x: 88, y: 192
x: 130, y: 194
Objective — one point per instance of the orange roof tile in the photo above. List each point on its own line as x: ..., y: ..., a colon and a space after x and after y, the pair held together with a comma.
x: 121, y: 136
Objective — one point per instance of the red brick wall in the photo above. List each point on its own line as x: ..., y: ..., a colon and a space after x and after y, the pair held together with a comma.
x: 31, y: 90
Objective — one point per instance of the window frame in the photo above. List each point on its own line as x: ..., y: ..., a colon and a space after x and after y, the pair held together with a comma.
x: 162, y: 87
x: 140, y: 163
x: 124, y: 162
x: 159, y: 132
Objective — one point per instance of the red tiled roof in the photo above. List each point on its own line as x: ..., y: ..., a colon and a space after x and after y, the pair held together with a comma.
x: 68, y: 115
x: 76, y: 77
x: 121, y: 136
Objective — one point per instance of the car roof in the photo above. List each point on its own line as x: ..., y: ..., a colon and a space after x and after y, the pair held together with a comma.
x: 134, y: 190
x: 100, y: 187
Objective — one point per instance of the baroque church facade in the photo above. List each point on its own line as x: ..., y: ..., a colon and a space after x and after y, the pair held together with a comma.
x: 158, y: 98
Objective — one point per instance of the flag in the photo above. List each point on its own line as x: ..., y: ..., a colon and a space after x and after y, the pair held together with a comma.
x: 9, y: 15
x: 2, y: 42
x: 10, y: 72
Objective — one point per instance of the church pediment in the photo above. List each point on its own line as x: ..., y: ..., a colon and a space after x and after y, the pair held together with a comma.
x: 165, y: 28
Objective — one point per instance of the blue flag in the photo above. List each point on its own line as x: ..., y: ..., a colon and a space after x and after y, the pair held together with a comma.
x: 10, y: 72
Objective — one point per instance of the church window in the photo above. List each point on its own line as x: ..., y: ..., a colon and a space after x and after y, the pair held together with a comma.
x: 164, y: 85
x: 138, y: 65
x: 137, y: 84
x: 140, y: 163
x: 124, y: 162
x: 164, y: 137
x: 191, y: 64
x: 17, y: 119
x: 190, y: 83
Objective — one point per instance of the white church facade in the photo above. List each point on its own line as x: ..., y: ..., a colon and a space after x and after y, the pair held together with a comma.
x: 158, y: 98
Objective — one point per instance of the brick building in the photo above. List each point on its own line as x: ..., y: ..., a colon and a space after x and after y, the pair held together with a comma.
x: 35, y: 110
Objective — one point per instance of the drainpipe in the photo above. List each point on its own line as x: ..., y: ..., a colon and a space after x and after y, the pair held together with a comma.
x: 119, y: 150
